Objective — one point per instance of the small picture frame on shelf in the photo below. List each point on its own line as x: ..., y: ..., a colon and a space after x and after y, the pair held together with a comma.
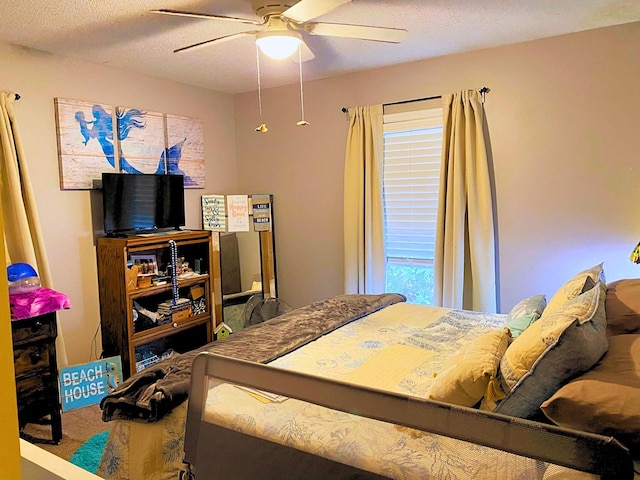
x: 147, y: 263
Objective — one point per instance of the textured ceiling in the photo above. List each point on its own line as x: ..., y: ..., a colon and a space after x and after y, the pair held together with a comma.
x: 124, y: 34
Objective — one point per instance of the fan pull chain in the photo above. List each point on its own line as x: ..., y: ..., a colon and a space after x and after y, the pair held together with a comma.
x: 302, y: 121
x: 262, y: 128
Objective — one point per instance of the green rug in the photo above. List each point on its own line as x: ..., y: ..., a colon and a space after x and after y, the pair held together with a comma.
x: 90, y: 452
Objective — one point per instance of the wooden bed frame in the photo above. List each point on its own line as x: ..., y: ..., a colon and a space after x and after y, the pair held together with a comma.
x: 205, y: 444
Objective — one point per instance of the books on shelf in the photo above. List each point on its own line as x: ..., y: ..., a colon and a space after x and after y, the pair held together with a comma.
x: 167, y: 307
x: 170, y: 312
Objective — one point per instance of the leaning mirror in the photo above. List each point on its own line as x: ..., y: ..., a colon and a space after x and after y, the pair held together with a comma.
x: 241, y: 275
x: 246, y: 265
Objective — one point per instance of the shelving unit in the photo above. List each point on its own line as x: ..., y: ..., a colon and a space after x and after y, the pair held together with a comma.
x: 132, y: 322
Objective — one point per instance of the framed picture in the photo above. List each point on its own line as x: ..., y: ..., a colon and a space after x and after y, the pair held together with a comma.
x: 213, y: 213
x: 142, y: 141
x: 147, y: 264
x: 261, y: 213
x: 94, y: 138
x: 185, y: 149
x: 85, y: 142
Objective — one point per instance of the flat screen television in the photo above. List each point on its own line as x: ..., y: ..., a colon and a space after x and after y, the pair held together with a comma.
x: 136, y: 203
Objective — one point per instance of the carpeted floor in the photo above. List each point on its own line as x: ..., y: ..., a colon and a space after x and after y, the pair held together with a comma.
x: 77, y: 427
x: 88, y: 456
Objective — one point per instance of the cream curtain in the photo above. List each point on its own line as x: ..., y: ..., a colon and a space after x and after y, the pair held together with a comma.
x: 364, y: 255
x: 23, y: 241
x: 465, y: 266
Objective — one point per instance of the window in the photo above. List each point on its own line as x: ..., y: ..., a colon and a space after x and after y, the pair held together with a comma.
x: 412, y: 157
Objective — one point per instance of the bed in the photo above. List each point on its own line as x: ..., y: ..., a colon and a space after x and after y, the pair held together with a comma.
x: 363, y: 389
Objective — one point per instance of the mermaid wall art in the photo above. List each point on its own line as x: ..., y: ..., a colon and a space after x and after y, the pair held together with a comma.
x: 95, y: 138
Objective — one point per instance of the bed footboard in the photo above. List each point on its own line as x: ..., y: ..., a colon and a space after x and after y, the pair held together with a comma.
x: 587, y: 452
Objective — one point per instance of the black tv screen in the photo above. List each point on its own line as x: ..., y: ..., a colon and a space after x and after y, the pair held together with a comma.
x: 142, y: 202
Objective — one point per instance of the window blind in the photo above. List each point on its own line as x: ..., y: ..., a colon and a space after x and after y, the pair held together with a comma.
x: 412, y: 157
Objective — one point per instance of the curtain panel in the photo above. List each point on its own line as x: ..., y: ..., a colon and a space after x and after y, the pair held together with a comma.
x: 23, y: 240
x: 465, y: 264
x: 364, y: 253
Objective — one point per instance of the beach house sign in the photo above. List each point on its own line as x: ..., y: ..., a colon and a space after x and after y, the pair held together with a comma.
x: 87, y: 384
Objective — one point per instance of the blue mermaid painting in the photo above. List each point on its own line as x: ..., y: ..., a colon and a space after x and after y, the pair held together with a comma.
x: 140, y: 144
x: 186, y: 153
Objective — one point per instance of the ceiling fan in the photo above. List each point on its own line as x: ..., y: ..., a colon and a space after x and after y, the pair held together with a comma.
x: 282, y: 22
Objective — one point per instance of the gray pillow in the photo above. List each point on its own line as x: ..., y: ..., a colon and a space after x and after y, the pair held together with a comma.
x: 555, y: 349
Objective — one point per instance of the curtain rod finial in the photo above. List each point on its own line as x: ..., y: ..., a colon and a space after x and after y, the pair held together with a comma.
x: 483, y: 91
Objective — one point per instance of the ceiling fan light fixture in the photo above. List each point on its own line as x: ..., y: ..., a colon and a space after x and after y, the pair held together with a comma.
x: 278, y: 45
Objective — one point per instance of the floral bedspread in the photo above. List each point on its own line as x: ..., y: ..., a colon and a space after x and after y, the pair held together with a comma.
x: 423, y: 336
x: 372, y: 445
x: 152, y: 393
x: 149, y: 409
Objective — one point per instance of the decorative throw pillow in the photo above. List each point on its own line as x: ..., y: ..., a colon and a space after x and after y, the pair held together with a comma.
x: 524, y: 313
x: 467, y: 374
x: 606, y: 399
x: 623, y: 307
x: 556, y: 348
x: 520, y: 324
x: 575, y: 286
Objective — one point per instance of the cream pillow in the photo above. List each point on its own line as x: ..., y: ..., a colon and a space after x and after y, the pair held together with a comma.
x: 574, y: 287
x: 556, y: 348
x: 467, y: 374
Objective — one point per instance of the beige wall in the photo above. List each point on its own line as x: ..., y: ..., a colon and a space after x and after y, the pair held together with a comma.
x: 565, y: 138
x: 564, y: 119
x: 68, y: 221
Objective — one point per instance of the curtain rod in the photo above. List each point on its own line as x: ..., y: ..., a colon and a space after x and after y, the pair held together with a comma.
x: 483, y: 90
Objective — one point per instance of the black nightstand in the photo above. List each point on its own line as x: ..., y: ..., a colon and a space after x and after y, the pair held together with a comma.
x: 34, y: 355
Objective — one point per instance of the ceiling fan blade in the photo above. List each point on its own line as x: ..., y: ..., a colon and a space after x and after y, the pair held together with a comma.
x: 363, y: 32
x: 306, y: 10
x: 207, y: 43
x: 306, y: 53
x: 180, y: 13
